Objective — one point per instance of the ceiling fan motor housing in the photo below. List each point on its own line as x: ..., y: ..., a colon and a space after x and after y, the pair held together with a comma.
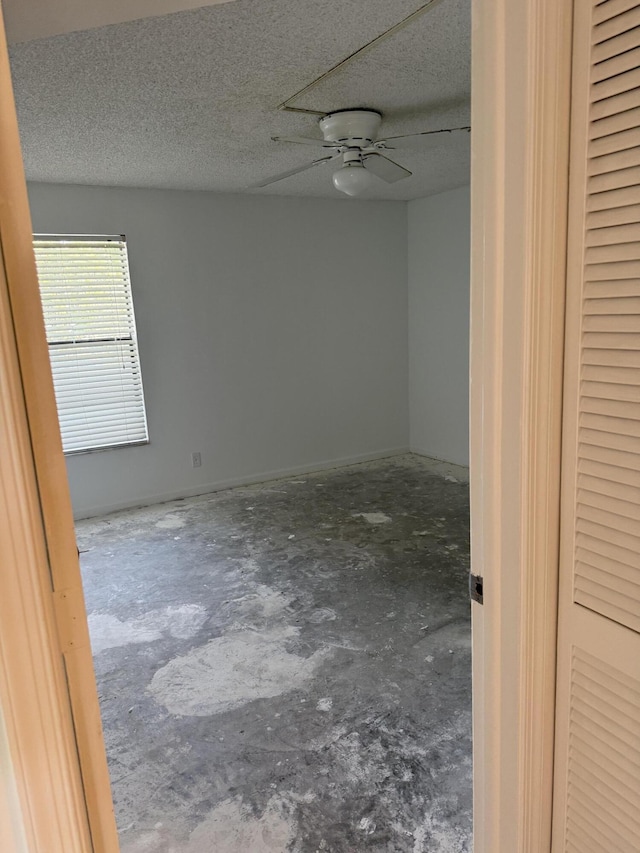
x: 353, y: 128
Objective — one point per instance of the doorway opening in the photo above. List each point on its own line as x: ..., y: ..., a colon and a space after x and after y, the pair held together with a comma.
x: 283, y: 665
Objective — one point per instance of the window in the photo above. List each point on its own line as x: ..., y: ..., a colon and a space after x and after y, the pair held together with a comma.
x: 91, y: 332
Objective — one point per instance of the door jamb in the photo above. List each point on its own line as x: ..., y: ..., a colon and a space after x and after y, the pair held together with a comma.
x: 54, y: 735
x: 521, y: 71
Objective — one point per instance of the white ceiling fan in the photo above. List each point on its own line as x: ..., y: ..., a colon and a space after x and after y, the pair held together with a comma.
x: 352, y: 137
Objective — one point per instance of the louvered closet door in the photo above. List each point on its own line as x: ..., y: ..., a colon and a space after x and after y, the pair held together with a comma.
x: 597, y: 774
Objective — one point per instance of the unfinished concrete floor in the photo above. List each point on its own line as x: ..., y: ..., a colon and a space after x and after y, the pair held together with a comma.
x: 286, y: 667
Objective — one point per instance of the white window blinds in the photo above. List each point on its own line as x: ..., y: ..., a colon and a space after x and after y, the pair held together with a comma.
x: 91, y: 332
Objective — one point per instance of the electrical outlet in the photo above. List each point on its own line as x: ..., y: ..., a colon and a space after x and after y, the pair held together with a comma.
x: 196, y: 460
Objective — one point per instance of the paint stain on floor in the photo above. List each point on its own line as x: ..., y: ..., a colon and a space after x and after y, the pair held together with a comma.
x: 108, y: 632
x: 291, y: 671
x: 229, y: 828
x: 232, y: 670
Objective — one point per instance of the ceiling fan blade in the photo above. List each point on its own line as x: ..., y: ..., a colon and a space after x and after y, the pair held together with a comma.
x: 306, y: 140
x: 411, y: 140
x: 291, y: 172
x: 384, y: 168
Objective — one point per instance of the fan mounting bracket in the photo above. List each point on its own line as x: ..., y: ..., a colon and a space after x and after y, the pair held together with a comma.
x: 351, y: 128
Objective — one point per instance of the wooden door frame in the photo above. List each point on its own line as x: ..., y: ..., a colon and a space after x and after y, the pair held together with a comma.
x: 521, y: 71
x: 55, y: 782
x: 520, y: 109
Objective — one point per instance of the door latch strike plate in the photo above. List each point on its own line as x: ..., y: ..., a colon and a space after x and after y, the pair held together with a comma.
x: 475, y: 588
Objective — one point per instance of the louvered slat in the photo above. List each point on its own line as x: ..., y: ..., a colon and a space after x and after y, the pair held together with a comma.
x: 612, y: 163
x: 624, y: 43
x: 609, y: 423
x: 616, y: 458
x: 602, y: 810
x: 594, y: 826
x: 621, y: 524
x: 627, y: 82
x: 603, y: 803
x: 605, y: 602
x: 608, y: 9
x: 607, y: 304
x: 616, y: 24
x: 620, y: 808
x: 611, y: 323
x: 612, y: 127
x: 615, y: 123
x: 621, y: 270
x: 612, y: 550
x: 607, y: 391
x: 621, y: 357
x: 605, y: 738
x: 589, y: 848
x: 605, y: 566
x: 593, y: 799
x: 608, y: 495
x: 90, y: 324
x: 607, y: 484
x: 608, y: 472
x: 613, y: 198
x: 609, y: 438
x: 591, y: 754
x: 625, y: 100
x: 613, y: 215
x: 595, y: 529
x: 610, y: 342
x: 581, y: 838
x: 604, y: 289
x: 625, y: 409
x: 592, y: 495
x: 620, y: 140
x: 607, y: 522
x: 614, y: 180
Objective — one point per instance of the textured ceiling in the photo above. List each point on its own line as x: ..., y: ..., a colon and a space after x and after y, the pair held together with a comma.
x: 189, y: 100
x: 33, y: 19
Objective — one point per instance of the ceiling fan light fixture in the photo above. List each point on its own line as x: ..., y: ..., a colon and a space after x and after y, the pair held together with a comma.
x: 352, y: 179
x: 352, y: 135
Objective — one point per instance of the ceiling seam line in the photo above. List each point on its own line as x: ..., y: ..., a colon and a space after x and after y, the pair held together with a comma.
x: 400, y: 25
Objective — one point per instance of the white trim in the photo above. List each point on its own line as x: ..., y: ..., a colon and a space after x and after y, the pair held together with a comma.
x: 247, y: 480
x: 419, y: 451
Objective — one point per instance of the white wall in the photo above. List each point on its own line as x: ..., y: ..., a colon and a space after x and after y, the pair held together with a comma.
x: 438, y: 270
x: 272, y: 334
